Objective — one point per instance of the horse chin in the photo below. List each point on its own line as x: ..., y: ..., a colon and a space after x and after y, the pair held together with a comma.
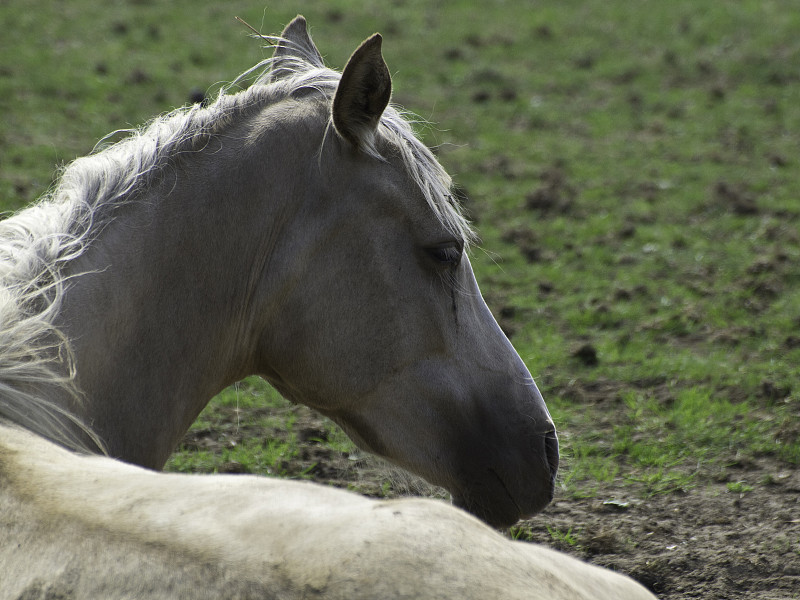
x: 502, y: 500
x: 492, y: 515
x: 501, y: 510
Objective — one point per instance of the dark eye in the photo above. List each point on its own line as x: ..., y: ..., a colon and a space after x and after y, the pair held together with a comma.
x: 448, y: 253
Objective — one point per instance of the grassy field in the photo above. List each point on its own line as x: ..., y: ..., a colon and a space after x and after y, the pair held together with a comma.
x: 632, y: 169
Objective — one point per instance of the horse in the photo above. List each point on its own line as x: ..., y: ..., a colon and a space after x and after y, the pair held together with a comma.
x: 296, y: 229
x: 362, y: 262
x: 85, y: 526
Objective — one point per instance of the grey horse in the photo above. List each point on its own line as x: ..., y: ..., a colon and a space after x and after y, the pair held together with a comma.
x: 297, y: 230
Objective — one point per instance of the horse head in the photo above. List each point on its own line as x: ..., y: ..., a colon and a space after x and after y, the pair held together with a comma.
x: 368, y: 309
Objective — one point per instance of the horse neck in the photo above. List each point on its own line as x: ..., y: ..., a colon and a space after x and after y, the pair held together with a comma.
x: 157, y: 308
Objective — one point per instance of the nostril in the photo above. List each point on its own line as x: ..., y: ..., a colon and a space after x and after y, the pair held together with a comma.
x: 551, y: 452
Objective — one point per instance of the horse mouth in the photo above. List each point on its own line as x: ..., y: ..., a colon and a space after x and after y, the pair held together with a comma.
x: 496, y: 503
x: 502, y: 511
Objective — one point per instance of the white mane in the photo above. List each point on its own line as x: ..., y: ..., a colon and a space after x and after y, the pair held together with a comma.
x: 35, y: 243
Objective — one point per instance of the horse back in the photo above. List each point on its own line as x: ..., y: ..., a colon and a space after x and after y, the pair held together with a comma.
x: 81, y: 527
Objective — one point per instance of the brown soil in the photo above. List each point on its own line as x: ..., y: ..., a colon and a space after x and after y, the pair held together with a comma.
x: 707, y: 542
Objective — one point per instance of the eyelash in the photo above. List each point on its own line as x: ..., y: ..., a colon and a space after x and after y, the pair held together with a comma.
x: 448, y: 253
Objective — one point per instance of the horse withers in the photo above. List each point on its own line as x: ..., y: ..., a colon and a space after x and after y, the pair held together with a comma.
x: 298, y: 230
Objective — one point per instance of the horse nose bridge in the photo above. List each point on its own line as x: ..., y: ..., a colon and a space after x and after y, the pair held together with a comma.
x: 511, y: 394
x: 535, y: 408
x: 492, y: 350
x: 509, y: 413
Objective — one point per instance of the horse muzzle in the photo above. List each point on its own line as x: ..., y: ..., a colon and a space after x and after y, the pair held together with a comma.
x: 503, y: 493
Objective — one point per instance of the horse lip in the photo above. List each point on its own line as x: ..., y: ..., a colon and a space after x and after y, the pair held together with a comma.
x: 503, y: 511
x: 494, y: 516
x: 504, y: 507
x: 520, y: 512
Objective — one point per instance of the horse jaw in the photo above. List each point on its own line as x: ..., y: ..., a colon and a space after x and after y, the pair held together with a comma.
x: 499, y: 465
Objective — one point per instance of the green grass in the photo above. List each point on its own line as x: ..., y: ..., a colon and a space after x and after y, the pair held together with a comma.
x: 564, y: 537
x: 664, y: 135
x: 253, y: 430
x: 739, y: 487
x: 249, y: 406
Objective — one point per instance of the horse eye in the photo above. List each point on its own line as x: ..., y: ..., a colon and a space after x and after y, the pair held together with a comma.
x: 448, y: 253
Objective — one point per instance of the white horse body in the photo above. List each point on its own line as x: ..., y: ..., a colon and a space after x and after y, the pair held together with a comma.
x: 90, y: 527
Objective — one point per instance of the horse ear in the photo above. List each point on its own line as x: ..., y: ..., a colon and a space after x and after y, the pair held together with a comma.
x: 295, y: 46
x: 363, y: 93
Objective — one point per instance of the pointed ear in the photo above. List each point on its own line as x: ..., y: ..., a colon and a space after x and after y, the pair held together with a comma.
x: 363, y: 93
x: 295, y: 46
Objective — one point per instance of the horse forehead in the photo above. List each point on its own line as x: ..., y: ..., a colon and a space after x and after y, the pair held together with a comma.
x: 301, y: 123
x: 385, y: 178
x: 385, y: 190
x: 300, y: 130
x: 307, y: 142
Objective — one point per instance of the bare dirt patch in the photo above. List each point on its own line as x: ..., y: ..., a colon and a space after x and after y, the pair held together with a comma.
x: 709, y: 542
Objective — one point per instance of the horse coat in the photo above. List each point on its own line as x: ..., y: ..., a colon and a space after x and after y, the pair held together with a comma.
x: 84, y: 527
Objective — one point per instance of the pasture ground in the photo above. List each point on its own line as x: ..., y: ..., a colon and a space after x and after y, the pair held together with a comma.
x: 633, y: 171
